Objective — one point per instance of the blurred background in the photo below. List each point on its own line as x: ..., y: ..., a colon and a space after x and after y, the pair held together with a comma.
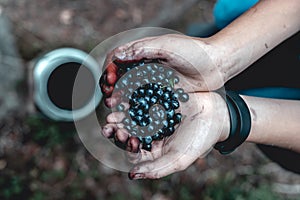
x: 41, y: 159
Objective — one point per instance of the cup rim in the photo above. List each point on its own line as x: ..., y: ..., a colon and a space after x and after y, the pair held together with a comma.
x: 43, y: 68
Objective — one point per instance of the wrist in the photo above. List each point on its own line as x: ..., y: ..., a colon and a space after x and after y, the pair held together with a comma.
x: 224, y: 119
x: 216, y: 70
x: 224, y: 55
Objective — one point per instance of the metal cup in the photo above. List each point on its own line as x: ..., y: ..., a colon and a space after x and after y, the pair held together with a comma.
x: 65, y: 84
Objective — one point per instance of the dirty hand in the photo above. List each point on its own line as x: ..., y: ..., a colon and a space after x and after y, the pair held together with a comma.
x: 192, y: 57
x: 205, y: 122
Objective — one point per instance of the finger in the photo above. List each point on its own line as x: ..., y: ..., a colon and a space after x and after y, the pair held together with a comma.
x: 118, y: 52
x: 113, y: 100
x: 111, y: 77
x: 108, y: 130
x: 163, y: 166
x: 115, y: 117
x: 133, y: 145
x: 107, y: 89
x: 122, y: 135
x: 148, y: 48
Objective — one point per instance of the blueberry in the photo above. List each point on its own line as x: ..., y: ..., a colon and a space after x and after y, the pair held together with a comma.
x: 144, y: 72
x: 156, y: 136
x: 144, y: 123
x: 176, y: 80
x: 139, y: 74
x: 142, y: 132
x: 125, y: 81
x: 161, y: 69
x: 160, y: 132
x: 170, y: 73
x: 166, y: 81
x: 184, y: 97
x: 169, y: 131
x: 137, y: 84
x: 169, y: 89
x: 147, y: 98
x: 175, y: 96
x: 149, y: 92
x: 175, y: 104
x: 140, y: 112
x: 130, y: 90
x: 120, y: 107
x: 145, y: 107
x: 166, y: 96
x: 131, y: 112
x: 157, y: 123
x: 179, y: 91
x: 142, y: 101
x: 133, y: 133
x: 153, y: 72
x: 140, y: 138
x: 126, y: 121
x: 158, y: 93
x: 147, y: 147
x: 140, y: 91
x: 161, y: 77
x: 150, y: 120
x: 167, y: 105
x: 148, y: 139
x: 162, y: 113
x: 170, y: 113
x: 150, y: 128
x: 156, y: 115
x: 165, y: 123
x: 138, y: 119
x: 154, y: 91
x: 149, y: 68
x: 153, y: 78
x: 153, y: 100
x: 129, y: 76
x: 128, y: 127
x: 177, y: 118
x: 171, y: 122
x: 146, y: 80
x: 133, y: 123
x: 155, y: 87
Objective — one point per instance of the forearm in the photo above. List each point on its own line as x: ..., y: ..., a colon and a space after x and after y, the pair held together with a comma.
x: 255, y: 33
x: 274, y: 122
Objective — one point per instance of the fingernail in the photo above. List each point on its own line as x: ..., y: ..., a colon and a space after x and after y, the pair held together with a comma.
x: 120, y: 55
x: 136, y: 176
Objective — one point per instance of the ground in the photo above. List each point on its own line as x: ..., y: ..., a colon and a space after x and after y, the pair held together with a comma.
x: 41, y: 159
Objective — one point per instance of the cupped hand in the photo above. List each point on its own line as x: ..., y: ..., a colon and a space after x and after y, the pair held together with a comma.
x: 205, y: 122
x: 194, y: 58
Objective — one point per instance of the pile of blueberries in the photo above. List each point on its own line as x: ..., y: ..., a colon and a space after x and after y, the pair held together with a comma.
x: 149, y: 90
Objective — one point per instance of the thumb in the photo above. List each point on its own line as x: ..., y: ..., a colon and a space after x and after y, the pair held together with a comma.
x: 147, y: 48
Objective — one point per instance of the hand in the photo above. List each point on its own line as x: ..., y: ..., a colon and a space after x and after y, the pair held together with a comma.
x: 194, y: 58
x: 205, y: 122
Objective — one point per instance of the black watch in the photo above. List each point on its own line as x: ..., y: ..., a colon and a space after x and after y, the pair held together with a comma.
x: 240, y: 123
